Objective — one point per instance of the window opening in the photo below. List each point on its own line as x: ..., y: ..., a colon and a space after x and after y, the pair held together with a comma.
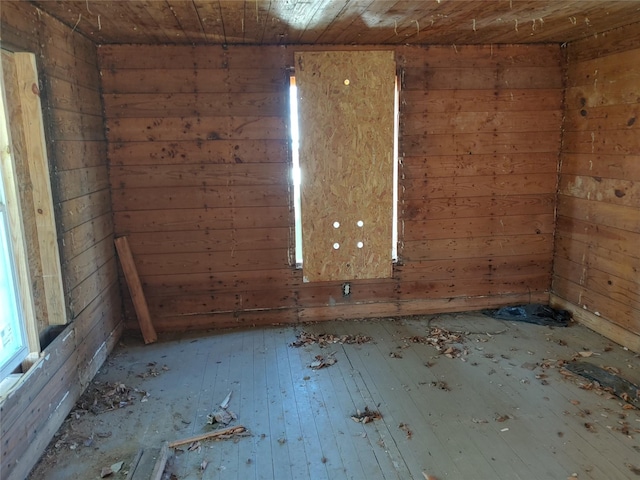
x: 13, y: 341
x: 296, y: 173
x: 396, y: 161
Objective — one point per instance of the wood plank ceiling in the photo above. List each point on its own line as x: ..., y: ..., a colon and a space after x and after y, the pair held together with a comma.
x: 387, y: 22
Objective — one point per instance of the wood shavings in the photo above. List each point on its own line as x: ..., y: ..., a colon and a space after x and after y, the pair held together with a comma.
x: 322, y: 362
x: 104, y: 397
x: 366, y: 416
x: 442, y: 340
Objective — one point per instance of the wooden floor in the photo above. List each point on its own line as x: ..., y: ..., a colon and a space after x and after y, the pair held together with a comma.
x: 502, y: 410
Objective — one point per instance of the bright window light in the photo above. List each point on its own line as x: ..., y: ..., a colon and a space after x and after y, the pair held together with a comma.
x: 296, y: 174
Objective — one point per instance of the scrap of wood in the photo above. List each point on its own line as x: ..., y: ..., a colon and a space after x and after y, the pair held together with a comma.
x: 134, y: 464
x: 208, y: 435
x: 158, y: 469
x: 135, y: 288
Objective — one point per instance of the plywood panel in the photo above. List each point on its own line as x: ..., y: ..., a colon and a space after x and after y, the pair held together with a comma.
x: 346, y: 108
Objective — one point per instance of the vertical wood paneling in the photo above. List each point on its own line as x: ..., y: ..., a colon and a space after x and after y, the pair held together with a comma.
x: 69, y: 76
x: 597, y: 266
x: 200, y: 179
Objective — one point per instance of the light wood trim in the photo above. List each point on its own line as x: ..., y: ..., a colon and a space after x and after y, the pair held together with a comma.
x: 35, y: 155
x: 135, y: 288
x: 12, y: 197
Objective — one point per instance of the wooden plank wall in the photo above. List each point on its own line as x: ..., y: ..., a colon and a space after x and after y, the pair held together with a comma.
x: 597, y: 263
x: 69, y: 77
x: 200, y: 172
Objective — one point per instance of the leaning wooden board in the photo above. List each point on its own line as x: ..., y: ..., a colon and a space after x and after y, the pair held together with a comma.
x: 135, y: 288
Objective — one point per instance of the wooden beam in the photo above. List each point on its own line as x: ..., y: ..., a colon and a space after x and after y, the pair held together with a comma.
x: 35, y: 157
x: 135, y: 288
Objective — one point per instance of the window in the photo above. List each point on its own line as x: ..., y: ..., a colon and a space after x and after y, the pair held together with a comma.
x: 30, y: 272
x: 13, y: 341
x: 295, y: 169
x: 344, y: 114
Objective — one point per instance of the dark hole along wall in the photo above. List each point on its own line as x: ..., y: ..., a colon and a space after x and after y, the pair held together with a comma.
x: 199, y: 172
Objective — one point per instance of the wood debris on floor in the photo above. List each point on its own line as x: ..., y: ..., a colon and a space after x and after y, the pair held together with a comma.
x: 446, y: 342
x: 366, y: 415
x: 324, y: 339
x: 607, y: 379
x: 104, y: 397
x: 222, y: 415
x: 321, y: 361
x: 511, y: 407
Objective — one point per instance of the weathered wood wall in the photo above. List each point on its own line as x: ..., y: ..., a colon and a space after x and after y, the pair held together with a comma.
x: 70, y: 87
x: 200, y: 182
x: 597, y: 262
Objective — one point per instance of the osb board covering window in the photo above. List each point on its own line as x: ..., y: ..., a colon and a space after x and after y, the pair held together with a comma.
x: 346, y: 121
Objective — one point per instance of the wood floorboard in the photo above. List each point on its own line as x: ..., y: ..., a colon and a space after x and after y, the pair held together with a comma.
x: 300, y: 418
x: 352, y: 444
x: 292, y: 420
x: 307, y: 394
x: 451, y: 433
x: 530, y: 420
x: 534, y: 421
x: 364, y: 395
x: 397, y: 408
